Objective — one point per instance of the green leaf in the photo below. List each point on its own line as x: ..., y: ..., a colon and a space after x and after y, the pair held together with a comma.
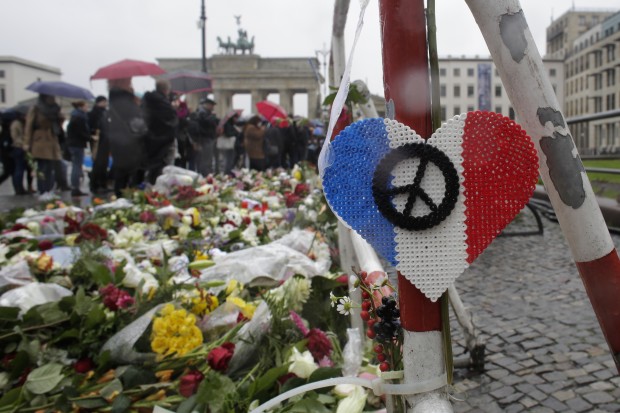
x: 94, y: 318
x: 309, y: 405
x: 91, y: 403
x: 267, y: 380
x: 121, y: 404
x: 113, y: 386
x: 9, y: 314
x: 83, y: 304
x: 11, y: 397
x: 136, y: 376
x: 187, y: 406
x: 19, y: 364
x: 214, y: 390
x: 100, y: 274
x: 324, y: 373
x: 43, y: 379
x: 292, y: 383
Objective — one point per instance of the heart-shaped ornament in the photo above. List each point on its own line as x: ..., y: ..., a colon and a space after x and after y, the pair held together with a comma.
x: 431, y: 207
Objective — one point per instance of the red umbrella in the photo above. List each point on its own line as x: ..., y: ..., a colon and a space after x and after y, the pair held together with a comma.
x: 270, y: 110
x: 128, y: 68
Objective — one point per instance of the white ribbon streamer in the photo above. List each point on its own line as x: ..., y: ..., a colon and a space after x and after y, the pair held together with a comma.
x: 326, y: 156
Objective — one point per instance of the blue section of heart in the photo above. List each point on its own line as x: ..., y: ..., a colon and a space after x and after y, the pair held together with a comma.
x: 348, y: 183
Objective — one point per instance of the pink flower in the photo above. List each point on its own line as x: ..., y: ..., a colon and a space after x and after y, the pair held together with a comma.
x: 318, y: 344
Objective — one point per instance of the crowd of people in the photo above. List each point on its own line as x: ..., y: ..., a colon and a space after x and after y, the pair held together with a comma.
x: 131, y: 140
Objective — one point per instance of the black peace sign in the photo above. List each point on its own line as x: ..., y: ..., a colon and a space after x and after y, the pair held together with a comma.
x: 383, y: 192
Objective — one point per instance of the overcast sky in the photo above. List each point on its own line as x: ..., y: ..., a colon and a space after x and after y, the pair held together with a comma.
x: 79, y: 36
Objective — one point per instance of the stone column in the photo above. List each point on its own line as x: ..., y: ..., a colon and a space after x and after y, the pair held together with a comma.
x: 313, y: 104
x: 257, y: 96
x: 223, y: 100
x: 286, y: 100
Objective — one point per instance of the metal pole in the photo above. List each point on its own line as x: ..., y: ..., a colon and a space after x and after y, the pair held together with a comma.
x: 407, y: 94
x: 203, y: 26
x: 520, y: 66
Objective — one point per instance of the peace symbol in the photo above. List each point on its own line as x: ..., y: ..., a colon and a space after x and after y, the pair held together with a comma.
x: 383, y: 192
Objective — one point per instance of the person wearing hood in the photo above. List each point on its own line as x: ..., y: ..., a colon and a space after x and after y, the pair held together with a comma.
x: 161, y: 120
x: 99, y: 146
x: 19, y: 156
x: 43, y: 127
x: 78, y: 137
x: 126, y: 130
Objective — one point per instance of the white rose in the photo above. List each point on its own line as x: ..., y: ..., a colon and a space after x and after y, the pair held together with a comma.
x: 302, y: 364
x: 354, y: 402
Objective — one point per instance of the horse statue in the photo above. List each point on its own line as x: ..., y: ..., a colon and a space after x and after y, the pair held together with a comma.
x: 244, y: 44
x: 228, y: 47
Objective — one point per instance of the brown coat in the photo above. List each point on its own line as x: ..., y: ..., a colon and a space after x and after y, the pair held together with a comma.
x: 254, y: 140
x: 40, y: 142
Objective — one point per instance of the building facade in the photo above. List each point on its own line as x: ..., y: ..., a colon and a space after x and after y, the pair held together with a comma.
x: 592, y: 98
x: 16, y: 74
x: 468, y: 84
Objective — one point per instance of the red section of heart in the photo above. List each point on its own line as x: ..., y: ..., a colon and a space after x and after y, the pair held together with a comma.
x: 500, y: 170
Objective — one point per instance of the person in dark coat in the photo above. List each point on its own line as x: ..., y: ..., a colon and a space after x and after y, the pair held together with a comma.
x: 227, y: 155
x: 161, y: 120
x: 19, y: 156
x: 274, y: 146
x: 78, y: 137
x: 253, y: 141
x: 126, y: 130
x: 99, y: 146
x: 207, y: 124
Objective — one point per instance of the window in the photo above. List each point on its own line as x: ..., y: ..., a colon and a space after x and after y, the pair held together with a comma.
x: 442, y: 90
x: 496, y: 73
x: 470, y: 90
x: 611, y: 101
x: 457, y: 91
x: 552, y: 72
x: 498, y: 91
x: 443, y: 112
x: 442, y: 71
x: 2, y: 74
x: 582, y: 20
x: 470, y: 108
x: 457, y: 110
x: 498, y: 109
x: 611, y: 77
x: 470, y: 72
x: 457, y: 72
x: 511, y: 113
x: 2, y: 95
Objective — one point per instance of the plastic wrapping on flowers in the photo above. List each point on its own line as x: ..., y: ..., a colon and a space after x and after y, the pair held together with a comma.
x: 199, y: 294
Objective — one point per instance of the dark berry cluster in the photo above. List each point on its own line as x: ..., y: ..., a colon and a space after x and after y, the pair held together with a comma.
x: 388, y: 327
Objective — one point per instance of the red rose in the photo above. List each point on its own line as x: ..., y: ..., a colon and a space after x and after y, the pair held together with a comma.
x: 18, y: 227
x: 45, y: 245
x: 115, y: 298
x: 71, y: 225
x: 188, y: 384
x: 343, y: 279
x: 318, y: 344
x: 91, y: 232
x: 219, y: 357
x: 148, y: 216
x: 83, y: 365
x: 302, y: 189
x: 292, y: 200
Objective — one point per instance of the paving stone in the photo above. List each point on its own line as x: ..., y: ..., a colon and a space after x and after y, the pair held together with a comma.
x: 541, y: 409
x: 510, y: 399
x: 578, y: 405
x: 598, y: 397
x: 514, y: 408
x: 603, y: 374
x: 575, y: 373
x: 554, y: 376
x: 554, y: 404
x: 602, y: 385
x: 503, y: 392
x: 528, y: 402
x: 564, y: 395
x: 497, y: 373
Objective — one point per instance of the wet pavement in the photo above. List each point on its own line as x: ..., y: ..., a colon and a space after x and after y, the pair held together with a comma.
x: 544, y: 349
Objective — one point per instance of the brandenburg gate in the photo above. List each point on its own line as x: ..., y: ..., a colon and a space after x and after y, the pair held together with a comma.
x: 251, y: 74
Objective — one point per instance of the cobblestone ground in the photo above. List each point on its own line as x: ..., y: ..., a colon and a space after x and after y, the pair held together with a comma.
x: 545, y: 351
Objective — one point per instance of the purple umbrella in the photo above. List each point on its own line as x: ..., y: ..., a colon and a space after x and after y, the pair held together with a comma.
x: 58, y: 88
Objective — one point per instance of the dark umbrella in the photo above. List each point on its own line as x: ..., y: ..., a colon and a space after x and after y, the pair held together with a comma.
x: 189, y: 81
x: 128, y: 68
x: 229, y: 115
x: 58, y: 88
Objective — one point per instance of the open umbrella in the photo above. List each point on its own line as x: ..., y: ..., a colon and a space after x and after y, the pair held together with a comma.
x: 229, y: 115
x: 58, y: 88
x: 189, y: 81
x: 270, y: 110
x: 128, y: 68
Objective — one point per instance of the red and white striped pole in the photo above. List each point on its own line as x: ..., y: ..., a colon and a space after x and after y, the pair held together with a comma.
x: 407, y: 95
x: 503, y: 25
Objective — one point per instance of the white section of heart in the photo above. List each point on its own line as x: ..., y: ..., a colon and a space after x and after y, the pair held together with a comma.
x: 432, y: 258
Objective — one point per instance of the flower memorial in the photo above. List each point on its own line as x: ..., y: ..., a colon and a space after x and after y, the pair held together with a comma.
x: 198, y: 294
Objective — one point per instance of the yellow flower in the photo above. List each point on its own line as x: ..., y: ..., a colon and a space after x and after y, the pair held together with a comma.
x: 44, y: 262
x: 204, y: 304
x: 70, y: 239
x: 200, y: 255
x: 234, y: 287
x: 297, y: 175
x: 168, y: 223
x: 246, y: 309
x: 174, y: 332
